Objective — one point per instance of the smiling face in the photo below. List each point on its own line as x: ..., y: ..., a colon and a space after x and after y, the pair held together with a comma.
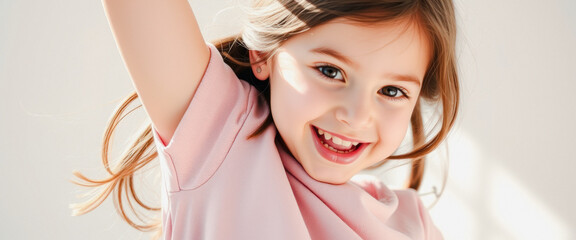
x: 342, y: 94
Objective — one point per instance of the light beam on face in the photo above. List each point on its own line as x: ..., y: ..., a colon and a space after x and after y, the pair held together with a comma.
x: 291, y: 74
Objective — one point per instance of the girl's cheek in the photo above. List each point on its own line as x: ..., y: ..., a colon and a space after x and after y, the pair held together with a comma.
x: 394, y: 126
x: 296, y: 88
x: 290, y: 74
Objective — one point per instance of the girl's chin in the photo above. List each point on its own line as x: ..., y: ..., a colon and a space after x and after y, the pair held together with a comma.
x: 328, y: 174
x: 331, y: 179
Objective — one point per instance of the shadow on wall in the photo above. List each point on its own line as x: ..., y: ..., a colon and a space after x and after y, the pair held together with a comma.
x: 492, y: 202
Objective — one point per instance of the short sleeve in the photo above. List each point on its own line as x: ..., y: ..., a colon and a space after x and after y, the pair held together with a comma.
x: 207, y: 129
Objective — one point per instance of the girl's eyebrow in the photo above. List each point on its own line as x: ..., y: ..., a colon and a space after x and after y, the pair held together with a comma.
x: 405, y: 78
x: 335, y: 54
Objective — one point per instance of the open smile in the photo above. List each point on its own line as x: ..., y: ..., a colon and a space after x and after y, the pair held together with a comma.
x: 336, y: 148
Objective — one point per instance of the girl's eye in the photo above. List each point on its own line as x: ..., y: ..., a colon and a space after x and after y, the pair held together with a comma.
x: 331, y: 72
x: 392, y: 92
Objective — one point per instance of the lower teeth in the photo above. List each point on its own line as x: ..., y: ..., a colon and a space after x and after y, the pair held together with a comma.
x: 336, y: 150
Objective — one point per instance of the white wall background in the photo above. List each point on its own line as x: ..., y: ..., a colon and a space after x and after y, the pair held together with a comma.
x: 512, y: 160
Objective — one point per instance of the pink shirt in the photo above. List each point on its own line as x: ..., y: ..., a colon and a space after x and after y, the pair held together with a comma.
x: 220, y: 185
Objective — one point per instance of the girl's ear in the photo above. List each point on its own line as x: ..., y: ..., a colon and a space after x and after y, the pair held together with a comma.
x: 260, y: 66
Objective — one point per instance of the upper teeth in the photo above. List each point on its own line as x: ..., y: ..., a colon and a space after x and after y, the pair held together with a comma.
x: 336, y: 140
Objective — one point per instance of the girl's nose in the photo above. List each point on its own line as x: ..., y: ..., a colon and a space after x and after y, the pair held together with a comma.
x: 355, y: 112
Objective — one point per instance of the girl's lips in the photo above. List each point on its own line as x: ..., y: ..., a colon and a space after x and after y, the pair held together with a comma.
x: 336, y: 157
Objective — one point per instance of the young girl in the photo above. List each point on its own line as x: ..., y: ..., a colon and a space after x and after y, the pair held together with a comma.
x: 328, y: 88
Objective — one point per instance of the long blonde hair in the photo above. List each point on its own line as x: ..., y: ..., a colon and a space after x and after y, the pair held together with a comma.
x: 270, y: 23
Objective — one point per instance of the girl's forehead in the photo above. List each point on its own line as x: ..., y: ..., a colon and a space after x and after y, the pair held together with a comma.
x: 342, y: 32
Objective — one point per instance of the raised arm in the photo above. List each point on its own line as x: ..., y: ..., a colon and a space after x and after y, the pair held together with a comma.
x: 165, y: 54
